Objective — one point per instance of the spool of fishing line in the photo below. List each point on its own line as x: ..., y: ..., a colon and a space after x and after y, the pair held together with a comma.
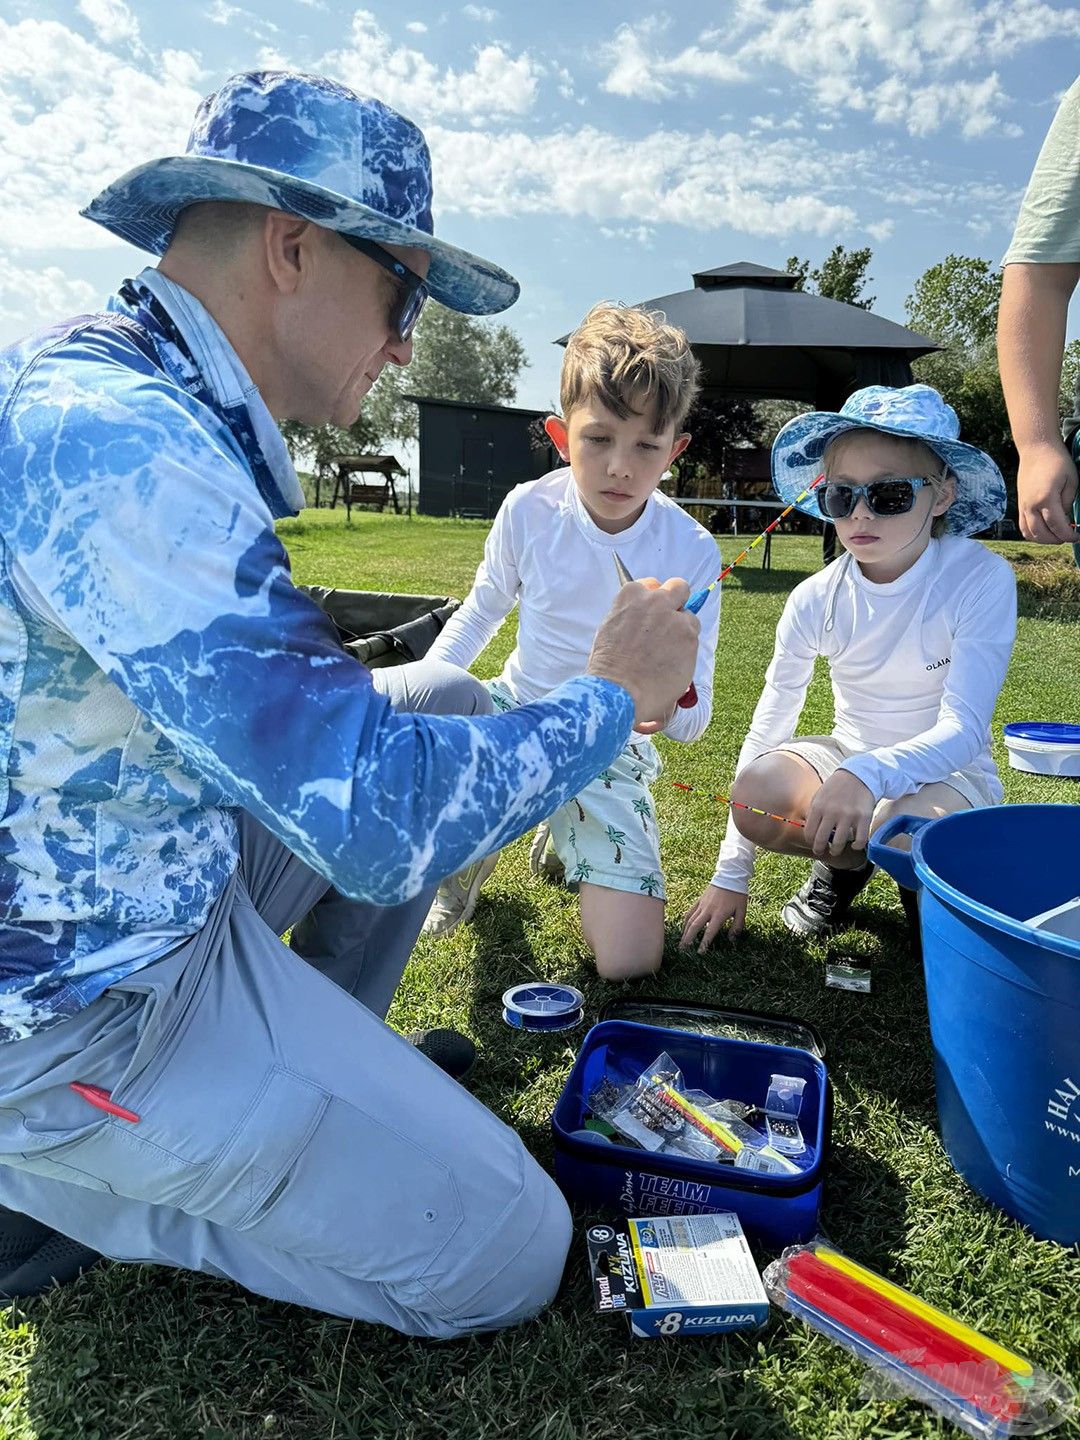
x: 535, y: 1006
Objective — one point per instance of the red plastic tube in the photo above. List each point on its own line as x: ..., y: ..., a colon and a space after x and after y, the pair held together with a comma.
x: 946, y: 1361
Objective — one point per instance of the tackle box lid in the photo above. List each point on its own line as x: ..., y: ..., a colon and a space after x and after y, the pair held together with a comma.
x: 761, y: 1026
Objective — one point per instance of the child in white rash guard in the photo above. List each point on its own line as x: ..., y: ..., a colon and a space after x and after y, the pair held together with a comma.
x: 628, y: 381
x: 917, y: 622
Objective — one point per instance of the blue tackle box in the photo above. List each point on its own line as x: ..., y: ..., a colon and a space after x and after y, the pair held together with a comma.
x: 728, y: 1054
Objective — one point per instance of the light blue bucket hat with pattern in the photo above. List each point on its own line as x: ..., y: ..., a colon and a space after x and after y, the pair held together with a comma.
x: 310, y: 146
x: 913, y: 412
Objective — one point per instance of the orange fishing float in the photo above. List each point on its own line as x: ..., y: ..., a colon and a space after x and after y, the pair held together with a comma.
x: 738, y: 805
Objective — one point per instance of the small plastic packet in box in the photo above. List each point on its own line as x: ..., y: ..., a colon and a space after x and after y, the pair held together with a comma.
x: 661, y: 1116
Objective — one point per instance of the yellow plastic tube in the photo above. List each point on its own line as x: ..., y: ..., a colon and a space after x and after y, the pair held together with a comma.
x: 1020, y: 1367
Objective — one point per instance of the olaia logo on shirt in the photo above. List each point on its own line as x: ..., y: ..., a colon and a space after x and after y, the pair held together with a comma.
x: 937, y: 664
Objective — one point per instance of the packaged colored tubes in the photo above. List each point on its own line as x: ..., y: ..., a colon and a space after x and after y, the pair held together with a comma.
x: 962, y: 1375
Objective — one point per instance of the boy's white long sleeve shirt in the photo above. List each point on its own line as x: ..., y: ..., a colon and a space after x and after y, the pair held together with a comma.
x: 916, y: 667
x: 546, y: 553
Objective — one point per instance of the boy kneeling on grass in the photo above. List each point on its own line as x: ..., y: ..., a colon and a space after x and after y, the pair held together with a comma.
x: 628, y: 381
x: 917, y: 623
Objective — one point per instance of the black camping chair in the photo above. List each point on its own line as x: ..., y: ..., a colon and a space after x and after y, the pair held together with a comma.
x: 381, y: 629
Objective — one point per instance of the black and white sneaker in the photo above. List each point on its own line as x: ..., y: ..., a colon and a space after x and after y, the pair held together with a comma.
x: 825, y: 901
x: 33, y: 1256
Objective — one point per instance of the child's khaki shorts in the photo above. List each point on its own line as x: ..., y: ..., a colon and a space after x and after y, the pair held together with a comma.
x: 825, y: 754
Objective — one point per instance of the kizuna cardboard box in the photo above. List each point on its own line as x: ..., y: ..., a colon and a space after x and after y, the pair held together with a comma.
x: 677, y: 1275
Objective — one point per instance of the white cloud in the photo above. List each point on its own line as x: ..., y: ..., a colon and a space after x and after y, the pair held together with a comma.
x: 769, y: 122
x: 222, y: 13
x: 72, y: 117
x: 28, y: 295
x: 270, y: 57
x: 633, y: 72
x: 701, y: 181
x: 881, y: 230
x: 480, y: 12
x: 639, y: 72
x: 417, y: 27
x: 972, y: 105
x: 642, y: 236
x: 897, y: 61
x: 564, y: 83
x: 497, y: 84
x: 694, y: 63
x: 111, y: 19
x: 1011, y: 25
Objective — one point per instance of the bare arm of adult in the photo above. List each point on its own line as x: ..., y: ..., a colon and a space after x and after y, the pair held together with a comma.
x: 1031, y: 338
x: 711, y: 911
x: 647, y: 643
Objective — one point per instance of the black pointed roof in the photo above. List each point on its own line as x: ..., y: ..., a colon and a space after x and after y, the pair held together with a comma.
x: 743, y: 271
x: 757, y: 336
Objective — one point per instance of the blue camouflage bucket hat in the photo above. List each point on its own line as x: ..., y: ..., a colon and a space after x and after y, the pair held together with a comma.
x: 307, y: 145
x: 913, y: 412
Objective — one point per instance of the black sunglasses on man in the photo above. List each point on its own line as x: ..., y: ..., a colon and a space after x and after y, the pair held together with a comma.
x: 414, y: 292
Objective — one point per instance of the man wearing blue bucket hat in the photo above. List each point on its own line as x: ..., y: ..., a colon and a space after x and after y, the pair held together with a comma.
x: 190, y: 760
x: 917, y: 623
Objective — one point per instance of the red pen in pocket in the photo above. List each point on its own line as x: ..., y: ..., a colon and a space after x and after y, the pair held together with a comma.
x: 103, y: 1100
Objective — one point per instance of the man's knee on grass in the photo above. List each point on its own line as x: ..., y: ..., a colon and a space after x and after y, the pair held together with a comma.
x: 514, y: 1272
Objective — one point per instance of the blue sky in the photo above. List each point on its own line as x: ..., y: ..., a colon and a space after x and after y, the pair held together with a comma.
x: 597, y: 150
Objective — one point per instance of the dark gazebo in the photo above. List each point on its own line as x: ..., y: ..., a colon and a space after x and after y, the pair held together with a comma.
x: 759, y: 338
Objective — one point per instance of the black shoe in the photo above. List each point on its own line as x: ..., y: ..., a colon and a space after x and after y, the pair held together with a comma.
x: 909, y: 899
x: 449, y: 1049
x: 825, y: 900
x: 34, y: 1256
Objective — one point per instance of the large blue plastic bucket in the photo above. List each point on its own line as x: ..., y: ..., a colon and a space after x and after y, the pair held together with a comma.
x: 1004, y: 1000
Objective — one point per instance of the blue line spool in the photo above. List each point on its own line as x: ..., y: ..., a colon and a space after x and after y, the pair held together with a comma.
x: 535, y: 1006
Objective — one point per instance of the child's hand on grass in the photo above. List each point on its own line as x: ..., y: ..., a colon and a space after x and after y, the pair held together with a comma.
x: 711, y: 911
x: 839, y: 816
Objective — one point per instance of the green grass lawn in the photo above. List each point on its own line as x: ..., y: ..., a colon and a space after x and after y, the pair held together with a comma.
x: 145, y: 1353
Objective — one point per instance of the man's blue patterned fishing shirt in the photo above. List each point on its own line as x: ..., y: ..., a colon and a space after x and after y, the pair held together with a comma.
x: 158, y: 671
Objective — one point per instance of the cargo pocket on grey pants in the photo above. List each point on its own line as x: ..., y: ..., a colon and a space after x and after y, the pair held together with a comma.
x: 362, y: 1198
x: 226, y: 1183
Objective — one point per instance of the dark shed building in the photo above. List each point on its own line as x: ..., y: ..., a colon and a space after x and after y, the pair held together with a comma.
x: 472, y: 455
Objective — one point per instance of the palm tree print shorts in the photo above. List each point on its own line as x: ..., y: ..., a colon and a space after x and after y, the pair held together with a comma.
x: 607, y: 835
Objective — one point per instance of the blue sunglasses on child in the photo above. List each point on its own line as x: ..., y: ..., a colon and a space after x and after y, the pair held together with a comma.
x: 406, y: 311
x: 893, y: 495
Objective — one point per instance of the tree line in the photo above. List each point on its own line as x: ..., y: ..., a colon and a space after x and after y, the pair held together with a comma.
x: 457, y: 357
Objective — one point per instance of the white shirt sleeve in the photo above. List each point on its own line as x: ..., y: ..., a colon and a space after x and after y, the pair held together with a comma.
x: 493, y: 595
x: 687, y: 725
x: 775, y: 718
x: 982, y: 645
